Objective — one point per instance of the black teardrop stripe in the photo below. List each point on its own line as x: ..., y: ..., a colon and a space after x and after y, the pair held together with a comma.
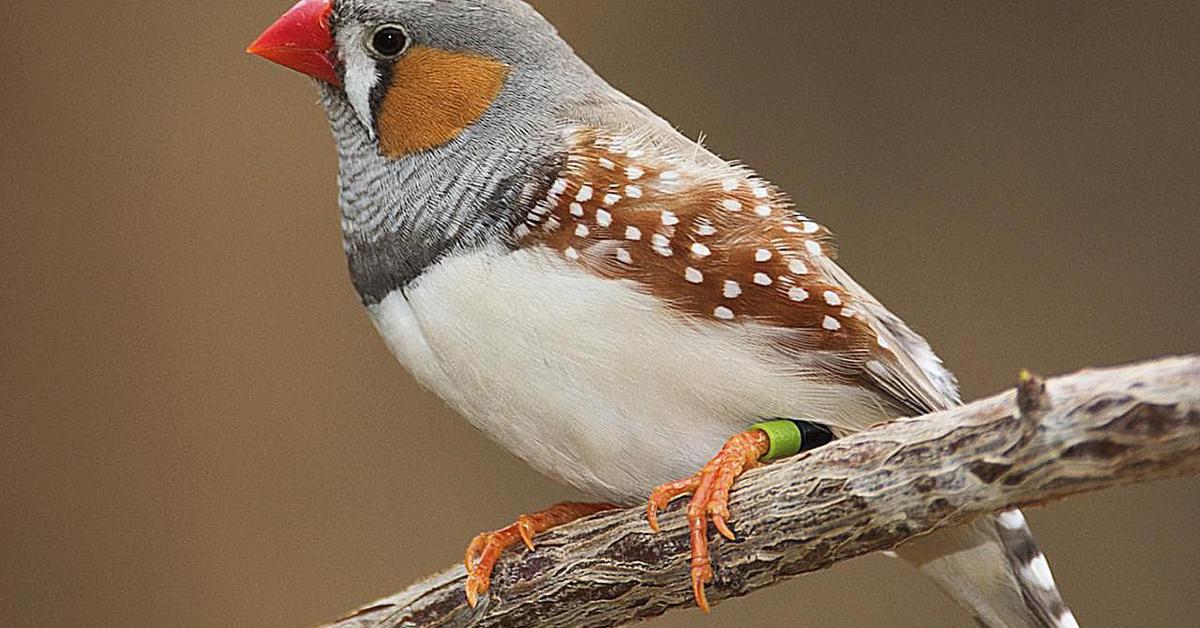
x: 386, y: 72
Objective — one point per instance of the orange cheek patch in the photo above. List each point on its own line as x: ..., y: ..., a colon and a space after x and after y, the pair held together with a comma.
x: 435, y: 95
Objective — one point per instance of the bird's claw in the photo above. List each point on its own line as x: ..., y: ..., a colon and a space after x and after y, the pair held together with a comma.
x: 484, y: 550
x: 710, y: 502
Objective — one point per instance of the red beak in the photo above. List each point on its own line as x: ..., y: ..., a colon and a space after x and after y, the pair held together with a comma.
x: 301, y: 40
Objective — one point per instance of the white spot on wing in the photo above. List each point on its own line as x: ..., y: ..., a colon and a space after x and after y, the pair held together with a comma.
x: 624, y: 257
x: 798, y: 294
x: 832, y: 298
x: 693, y: 275
x: 582, y: 231
x: 831, y: 323
x: 762, y: 255
x: 585, y: 194
x: 732, y: 290
x: 669, y: 218
x: 603, y: 218
x: 723, y: 313
x: 762, y: 279
x: 700, y: 250
x: 633, y: 233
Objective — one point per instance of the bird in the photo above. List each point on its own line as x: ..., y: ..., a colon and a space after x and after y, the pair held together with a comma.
x: 623, y: 309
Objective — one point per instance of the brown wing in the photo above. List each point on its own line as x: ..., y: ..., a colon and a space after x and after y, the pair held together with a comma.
x: 722, y: 245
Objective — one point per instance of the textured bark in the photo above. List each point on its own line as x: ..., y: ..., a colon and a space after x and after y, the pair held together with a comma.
x: 872, y: 491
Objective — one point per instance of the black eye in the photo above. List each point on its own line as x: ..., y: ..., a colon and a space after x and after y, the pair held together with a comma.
x: 388, y: 41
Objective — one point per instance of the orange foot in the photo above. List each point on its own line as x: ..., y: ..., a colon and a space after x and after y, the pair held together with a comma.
x: 485, y: 549
x: 710, y: 498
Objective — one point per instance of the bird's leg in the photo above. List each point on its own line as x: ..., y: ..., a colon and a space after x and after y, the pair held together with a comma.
x: 710, y: 499
x: 485, y: 549
x: 710, y: 487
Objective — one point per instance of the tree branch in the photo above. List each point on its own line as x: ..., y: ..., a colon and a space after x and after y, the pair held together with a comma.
x: 868, y: 492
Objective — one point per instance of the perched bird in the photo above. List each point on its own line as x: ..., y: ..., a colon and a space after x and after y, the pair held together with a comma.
x: 621, y: 308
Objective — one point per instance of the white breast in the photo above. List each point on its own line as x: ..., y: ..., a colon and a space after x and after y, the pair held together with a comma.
x: 589, y: 380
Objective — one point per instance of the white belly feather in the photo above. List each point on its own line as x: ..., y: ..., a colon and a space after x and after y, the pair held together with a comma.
x: 588, y: 380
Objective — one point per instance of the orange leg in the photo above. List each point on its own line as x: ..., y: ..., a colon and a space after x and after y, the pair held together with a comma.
x: 485, y: 549
x: 710, y: 499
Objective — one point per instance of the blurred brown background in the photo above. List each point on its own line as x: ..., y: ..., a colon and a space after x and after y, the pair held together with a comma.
x: 200, y: 427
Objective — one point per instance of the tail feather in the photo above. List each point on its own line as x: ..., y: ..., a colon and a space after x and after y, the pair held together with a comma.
x: 993, y: 568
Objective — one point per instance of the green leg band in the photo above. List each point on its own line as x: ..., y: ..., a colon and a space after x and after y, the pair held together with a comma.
x: 785, y: 436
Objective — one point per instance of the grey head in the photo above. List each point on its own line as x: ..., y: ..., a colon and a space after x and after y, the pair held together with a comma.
x: 450, y: 112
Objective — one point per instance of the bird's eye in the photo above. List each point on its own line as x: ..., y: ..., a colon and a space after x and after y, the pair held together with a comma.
x: 388, y: 41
